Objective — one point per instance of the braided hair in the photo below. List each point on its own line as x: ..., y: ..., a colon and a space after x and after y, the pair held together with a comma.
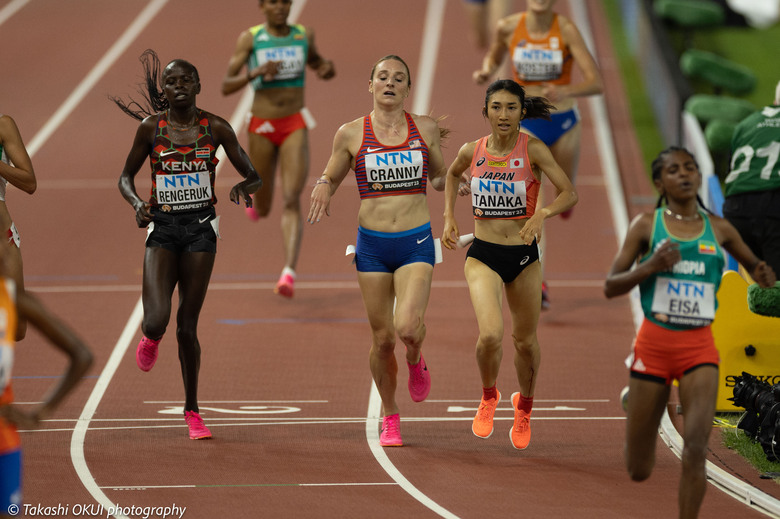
x: 658, y: 165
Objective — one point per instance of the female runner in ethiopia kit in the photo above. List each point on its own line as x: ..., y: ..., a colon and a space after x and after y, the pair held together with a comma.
x: 15, y: 305
x: 393, y: 154
x: 674, y: 255
x: 15, y: 168
x: 506, y: 169
x: 276, y: 55
x: 181, y: 141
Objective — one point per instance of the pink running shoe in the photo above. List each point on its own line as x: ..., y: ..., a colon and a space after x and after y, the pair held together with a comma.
x: 251, y: 213
x: 146, y: 353
x: 285, y: 286
x: 419, y: 380
x: 391, y: 431
x: 545, y: 296
x: 198, y: 430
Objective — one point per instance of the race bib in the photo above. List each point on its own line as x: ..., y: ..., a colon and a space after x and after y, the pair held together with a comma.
x: 291, y: 60
x: 683, y: 302
x: 389, y: 171
x: 538, y: 64
x: 191, y: 189
x: 6, y: 365
x: 492, y: 198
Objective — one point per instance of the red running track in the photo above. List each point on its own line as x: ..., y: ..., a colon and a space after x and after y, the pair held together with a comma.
x: 285, y: 385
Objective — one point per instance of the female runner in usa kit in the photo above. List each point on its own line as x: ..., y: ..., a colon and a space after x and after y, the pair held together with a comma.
x: 276, y: 55
x: 395, y: 248
x: 182, y: 141
x: 675, y: 245
x: 15, y: 168
x: 506, y: 169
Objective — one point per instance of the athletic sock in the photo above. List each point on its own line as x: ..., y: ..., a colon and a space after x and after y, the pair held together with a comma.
x: 525, y: 403
x: 489, y: 393
x: 288, y: 270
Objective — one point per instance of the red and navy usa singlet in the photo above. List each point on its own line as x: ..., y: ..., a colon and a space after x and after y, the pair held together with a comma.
x: 391, y: 170
x: 183, y: 175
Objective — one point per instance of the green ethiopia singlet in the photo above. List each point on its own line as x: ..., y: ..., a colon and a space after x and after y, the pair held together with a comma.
x: 291, y: 51
x: 683, y: 297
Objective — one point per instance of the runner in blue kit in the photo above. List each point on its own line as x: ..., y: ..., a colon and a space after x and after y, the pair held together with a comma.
x: 181, y: 141
x: 394, y: 154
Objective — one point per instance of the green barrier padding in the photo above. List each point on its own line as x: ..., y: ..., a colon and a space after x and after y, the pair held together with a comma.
x: 718, y: 135
x: 706, y: 108
x: 690, y: 13
x: 764, y: 301
x: 720, y: 72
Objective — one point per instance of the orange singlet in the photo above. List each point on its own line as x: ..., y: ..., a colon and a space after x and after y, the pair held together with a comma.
x: 9, y: 438
x: 544, y: 60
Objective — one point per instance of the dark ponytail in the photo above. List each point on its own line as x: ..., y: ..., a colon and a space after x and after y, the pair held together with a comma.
x: 535, y: 107
x: 150, y: 90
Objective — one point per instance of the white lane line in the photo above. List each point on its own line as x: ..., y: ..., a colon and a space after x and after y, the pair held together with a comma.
x: 426, y: 68
x: 239, y: 402
x: 11, y: 9
x: 97, y: 72
x: 80, y: 431
x: 724, y: 481
x: 307, y: 285
x: 428, y: 54
x: 265, y: 422
x: 243, y: 485
x: 372, y: 435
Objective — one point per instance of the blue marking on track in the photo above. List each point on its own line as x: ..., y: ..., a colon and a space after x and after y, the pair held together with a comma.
x: 288, y: 320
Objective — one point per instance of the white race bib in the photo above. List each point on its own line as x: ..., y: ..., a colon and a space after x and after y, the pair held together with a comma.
x: 497, y: 198
x: 6, y: 365
x: 291, y: 60
x: 183, y: 188
x: 538, y: 64
x: 683, y: 302
x: 394, y: 170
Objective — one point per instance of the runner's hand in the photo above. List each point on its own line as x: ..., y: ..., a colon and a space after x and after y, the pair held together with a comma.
x: 240, y: 191
x: 320, y: 202
x: 143, y: 216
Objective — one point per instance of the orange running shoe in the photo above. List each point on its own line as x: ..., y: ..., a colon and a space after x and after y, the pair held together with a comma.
x: 483, y: 421
x: 521, y: 429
